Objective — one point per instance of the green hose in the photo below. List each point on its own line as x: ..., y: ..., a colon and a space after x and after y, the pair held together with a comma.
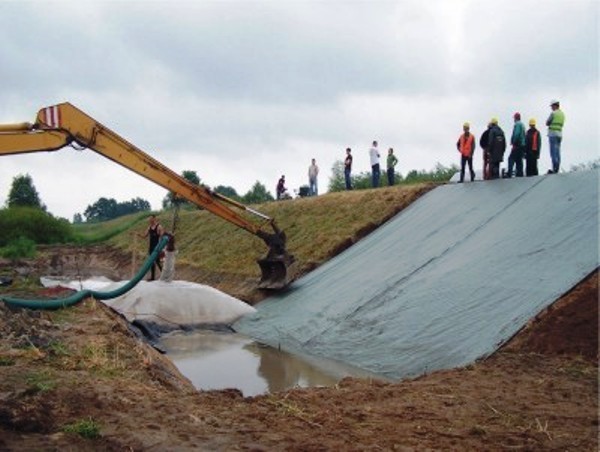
x: 82, y: 294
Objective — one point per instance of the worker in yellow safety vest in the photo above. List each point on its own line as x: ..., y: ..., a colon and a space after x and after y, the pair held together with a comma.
x: 555, y: 124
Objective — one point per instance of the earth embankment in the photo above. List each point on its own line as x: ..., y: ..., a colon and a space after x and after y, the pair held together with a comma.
x: 80, y: 379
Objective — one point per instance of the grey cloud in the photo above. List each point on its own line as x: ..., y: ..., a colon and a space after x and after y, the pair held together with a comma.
x: 527, y: 45
x: 204, y: 83
x: 272, y: 54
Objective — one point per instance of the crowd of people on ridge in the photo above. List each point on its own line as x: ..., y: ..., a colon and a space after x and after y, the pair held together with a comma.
x: 524, y: 145
x: 313, y: 172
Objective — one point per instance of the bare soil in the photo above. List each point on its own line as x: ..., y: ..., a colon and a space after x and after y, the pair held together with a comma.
x: 81, y: 379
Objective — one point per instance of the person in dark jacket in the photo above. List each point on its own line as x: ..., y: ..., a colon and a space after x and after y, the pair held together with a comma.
x: 496, y: 148
x: 280, y: 189
x: 533, y: 146
x: 483, y: 143
x: 348, y: 169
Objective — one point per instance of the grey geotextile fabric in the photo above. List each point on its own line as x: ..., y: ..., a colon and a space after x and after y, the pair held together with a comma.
x: 446, y: 281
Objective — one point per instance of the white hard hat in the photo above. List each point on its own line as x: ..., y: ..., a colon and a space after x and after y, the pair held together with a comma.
x: 554, y: 102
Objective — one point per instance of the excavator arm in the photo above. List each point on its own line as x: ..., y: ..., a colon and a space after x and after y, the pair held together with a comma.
x: 63, y: 124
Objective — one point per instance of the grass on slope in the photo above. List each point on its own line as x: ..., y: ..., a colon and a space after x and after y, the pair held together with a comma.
x: 316, y: 228
x: 88, y: 233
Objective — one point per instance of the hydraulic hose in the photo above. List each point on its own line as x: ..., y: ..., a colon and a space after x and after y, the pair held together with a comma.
x: 86, y: 293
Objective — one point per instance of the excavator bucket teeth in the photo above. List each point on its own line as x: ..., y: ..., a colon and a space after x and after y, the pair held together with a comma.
x: 274, y: 272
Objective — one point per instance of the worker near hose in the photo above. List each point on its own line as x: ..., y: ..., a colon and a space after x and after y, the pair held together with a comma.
x: 153, y: 233
x: 168, y: 270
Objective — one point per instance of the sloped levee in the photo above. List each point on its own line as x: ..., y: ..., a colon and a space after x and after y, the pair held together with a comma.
x: 445, y: 282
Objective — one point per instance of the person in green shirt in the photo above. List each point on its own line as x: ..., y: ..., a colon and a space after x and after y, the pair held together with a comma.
x: 392, y: 161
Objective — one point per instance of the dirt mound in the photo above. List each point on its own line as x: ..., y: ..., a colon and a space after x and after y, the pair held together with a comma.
x: 81, y: 379
x: 71, y: 261
x: 568, y: 327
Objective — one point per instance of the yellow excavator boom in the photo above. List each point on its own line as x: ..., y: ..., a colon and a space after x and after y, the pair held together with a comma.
x: 60, y: 125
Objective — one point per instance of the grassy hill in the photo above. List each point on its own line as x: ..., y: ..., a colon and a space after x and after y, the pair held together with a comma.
x: 215, y: 252
x: 89, y: 233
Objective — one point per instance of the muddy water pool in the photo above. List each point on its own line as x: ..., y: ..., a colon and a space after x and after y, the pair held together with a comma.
x: 220, y: 360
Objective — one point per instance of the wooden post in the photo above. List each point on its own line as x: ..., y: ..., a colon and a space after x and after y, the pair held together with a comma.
x: 134, y: 254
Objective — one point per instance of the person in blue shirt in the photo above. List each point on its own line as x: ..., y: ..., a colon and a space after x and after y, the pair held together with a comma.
x: 517, y: 141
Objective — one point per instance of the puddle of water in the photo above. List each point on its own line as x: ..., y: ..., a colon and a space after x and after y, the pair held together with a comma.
x: 218, y: 360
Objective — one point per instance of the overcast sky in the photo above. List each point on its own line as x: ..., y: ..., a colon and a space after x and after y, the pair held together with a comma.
x: 241, y: 91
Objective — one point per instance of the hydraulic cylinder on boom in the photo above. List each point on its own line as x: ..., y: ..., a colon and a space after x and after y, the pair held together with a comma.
x: 63, y: 125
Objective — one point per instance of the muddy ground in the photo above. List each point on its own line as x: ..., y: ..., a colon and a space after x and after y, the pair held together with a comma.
x: 81, y: 379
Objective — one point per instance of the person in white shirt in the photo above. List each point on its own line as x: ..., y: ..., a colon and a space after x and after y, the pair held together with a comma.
x: 168, y: 270
x: 375, y: 170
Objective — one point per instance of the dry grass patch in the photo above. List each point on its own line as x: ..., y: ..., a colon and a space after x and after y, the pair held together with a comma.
x: 317, y: 228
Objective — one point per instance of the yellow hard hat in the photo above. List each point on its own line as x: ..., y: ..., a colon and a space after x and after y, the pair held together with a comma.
x: 466, y: 124
x: 532, y: 122
x: 494, y: 120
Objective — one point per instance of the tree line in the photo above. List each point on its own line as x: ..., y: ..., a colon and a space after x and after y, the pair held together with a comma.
x: 24, y: 194
x: 362, y: 180
x: 25, y: 222
x: 257, y: 194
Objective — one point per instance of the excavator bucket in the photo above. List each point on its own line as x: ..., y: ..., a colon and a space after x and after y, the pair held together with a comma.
x: 275, y: 274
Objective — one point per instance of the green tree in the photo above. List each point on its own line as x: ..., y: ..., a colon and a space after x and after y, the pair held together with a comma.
x: 135, y: 205
x: 362, y: 180
x: 441, y: 173
x: 34, y: 224
x: 18, y: 249
x: 102, y: 210
x: 191, y: 176
x: 23, y: 193
x: 108, y: 208
x: 337, y: 181
x: 257, y: 194
x: 227, y: 191
x: 171, y: 200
